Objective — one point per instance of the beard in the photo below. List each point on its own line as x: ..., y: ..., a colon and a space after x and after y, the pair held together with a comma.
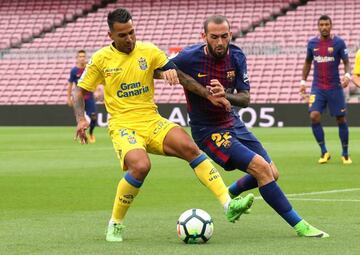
x: 325, y: 33
x: 216, y: 55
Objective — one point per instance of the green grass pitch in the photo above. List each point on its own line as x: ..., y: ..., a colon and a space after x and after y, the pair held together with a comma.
x: 56, y: 198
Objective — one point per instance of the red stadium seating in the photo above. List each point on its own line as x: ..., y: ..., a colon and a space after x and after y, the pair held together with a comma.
x: 285, y: 41
x: 37, y: 72
x: 20, y: 20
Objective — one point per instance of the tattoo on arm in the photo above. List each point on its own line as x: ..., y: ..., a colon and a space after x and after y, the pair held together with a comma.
x: 79, y: 104
x: 192, y: 85
x: 241, y: 99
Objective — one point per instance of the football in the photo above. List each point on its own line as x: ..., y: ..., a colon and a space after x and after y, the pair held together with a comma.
x: 195, y: 226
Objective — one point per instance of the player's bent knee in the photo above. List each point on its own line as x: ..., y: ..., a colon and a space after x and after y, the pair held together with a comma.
x: 193, y: 149
x: 276, y: 175
x: 264, y: 172
x: 275, y: 171
x: 315, y: 117
x: 140, y: 169
x: 190, y: 150
x: 261, y: 169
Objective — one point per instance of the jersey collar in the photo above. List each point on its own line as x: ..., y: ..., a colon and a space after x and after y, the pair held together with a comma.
x: 112, y: 47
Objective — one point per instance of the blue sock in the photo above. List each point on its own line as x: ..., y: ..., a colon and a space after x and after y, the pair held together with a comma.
x: 274, y: 196
x: 344, y: 137
x: 245, y: 183
x: 319, y: 136
x: 134, y: 182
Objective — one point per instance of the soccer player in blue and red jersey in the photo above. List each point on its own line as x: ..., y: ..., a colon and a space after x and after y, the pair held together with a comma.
x: 127, y: 68
x: 326, y: 51
x: 90, y: 106
x: 221, y: 134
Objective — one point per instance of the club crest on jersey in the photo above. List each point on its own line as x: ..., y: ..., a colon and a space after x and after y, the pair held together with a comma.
x: 227, y: 144
x: 230, y: 75
x: 131, y: 139
x: 142, y: 63
x: 330, y: 50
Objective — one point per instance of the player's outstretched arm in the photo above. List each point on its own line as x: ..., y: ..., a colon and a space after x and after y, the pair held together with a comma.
x: 192, y: 85
x: 79, y: 110
x: 173, y: 77
x: 240, y: 99
x: 305, y: 73
x: 170, y: 76
x: 347, y: 78
x: 68, y: 94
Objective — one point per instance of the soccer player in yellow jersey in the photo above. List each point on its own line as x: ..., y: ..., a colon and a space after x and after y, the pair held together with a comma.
x: 127, y: 68
x: 356, y: 72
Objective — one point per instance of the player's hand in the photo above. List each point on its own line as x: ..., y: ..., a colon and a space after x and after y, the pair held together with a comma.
x: 170, y: 76
x: 302, y: 89
x: 81, y: 131
x: 345, y: 82
x: 303, y: 93
x: 69, y: 102
x: 216, y: 89
x: 99, y: 97
x: 220, y: 102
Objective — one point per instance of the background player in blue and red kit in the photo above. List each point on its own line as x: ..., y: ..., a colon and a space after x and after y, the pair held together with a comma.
x: 221, y: 134
x: 90, y: 105
x: 326, y: 51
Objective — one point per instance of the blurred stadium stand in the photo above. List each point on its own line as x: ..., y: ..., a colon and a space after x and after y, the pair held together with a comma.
x: 39, y: 40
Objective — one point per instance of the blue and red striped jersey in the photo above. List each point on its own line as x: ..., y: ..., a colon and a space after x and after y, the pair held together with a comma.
x: 231, y: 71
x: 326, y: 55
x: 75, y: 75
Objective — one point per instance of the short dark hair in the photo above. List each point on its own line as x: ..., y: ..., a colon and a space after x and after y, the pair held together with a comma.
x: 119, y: 15
x: 217, y: 19
x: 81, y: 51
x: 324, y: 17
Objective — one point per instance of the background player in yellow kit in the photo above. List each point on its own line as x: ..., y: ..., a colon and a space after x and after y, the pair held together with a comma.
x: 356, y: 72
x: 126, y: 69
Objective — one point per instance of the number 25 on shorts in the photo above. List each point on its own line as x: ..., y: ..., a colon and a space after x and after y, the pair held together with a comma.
x: 221, y: 139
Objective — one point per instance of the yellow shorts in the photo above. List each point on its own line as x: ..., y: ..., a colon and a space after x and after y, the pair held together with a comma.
x: 147, y: 135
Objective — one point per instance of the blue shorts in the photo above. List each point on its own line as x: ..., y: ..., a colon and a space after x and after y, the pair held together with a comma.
x: 334, y: 99
x: 231, y: 148
x: 90, y: 106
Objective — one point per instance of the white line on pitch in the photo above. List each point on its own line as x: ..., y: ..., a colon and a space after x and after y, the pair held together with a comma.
x: 318, y: 192
x: 323, y: 192
x: 324, y: 200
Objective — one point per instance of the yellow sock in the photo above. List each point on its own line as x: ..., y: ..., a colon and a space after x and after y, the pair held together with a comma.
x: 127, y: 190
x: 210, y: 177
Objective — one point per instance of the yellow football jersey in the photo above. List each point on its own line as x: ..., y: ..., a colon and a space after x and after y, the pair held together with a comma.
x: 357, y: 63
x: 127, y: 79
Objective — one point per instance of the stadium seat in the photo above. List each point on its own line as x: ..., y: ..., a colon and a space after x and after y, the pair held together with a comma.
x: 275, y: 51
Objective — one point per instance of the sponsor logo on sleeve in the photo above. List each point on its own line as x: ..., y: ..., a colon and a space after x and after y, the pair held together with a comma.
x: 246, y: 78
